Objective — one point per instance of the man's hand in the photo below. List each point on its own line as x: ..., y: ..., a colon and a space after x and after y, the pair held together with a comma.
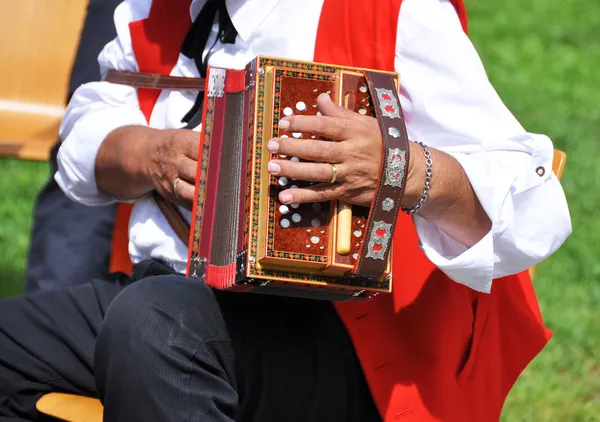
x: 172, y: 164
x: 357, y: 156
x: 136, y: 160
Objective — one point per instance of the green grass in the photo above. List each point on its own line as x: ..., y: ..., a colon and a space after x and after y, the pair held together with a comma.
x: 543, y: 57
x: 20, y: 181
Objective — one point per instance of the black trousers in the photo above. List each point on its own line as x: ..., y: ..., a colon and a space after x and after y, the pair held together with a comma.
x: 166, y: 348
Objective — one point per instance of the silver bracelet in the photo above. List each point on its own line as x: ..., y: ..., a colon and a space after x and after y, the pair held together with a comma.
x: 428, y: 174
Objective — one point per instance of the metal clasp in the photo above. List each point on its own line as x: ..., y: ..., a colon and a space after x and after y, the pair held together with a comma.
x: 216, y: 82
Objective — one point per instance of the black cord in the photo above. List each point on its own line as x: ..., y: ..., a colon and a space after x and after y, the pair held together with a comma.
x: 195, y: 43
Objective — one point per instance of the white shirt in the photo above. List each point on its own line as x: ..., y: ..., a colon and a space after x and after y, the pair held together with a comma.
x: 449, y: 105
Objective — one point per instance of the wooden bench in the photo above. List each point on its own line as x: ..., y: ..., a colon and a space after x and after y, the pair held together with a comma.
x: 39, y: 43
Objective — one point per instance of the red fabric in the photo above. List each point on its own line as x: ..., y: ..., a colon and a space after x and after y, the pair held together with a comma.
x: 434, y: 350
x: 120, y: 260
x: 363, y: 33
x: 156, y: 50
x: 461, y: 11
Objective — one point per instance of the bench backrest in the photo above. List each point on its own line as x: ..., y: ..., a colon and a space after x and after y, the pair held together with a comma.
x: 39, y: 40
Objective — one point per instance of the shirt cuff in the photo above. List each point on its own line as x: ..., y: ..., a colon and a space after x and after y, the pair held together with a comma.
x: 77, y: 154
x: 475, y: 266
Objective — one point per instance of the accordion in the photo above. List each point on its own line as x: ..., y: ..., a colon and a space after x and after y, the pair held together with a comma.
x: 241, y: 237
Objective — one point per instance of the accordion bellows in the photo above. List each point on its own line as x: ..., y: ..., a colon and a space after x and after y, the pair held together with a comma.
x: 242, y: 238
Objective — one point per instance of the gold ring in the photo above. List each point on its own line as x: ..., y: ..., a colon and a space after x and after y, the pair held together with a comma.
x: 334, y: 175
x: 175, y: 182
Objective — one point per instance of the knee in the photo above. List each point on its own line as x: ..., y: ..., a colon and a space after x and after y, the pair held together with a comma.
x: 157, y: 322
x: 153, y: 316
x: 157, y: 308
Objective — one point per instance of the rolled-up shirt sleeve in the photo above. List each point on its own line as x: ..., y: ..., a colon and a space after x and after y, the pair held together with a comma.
x: 450, y: 105
x: 94, y: 111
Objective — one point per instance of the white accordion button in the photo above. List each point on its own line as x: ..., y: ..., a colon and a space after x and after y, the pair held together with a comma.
x: 288, y: 111
x: 283, y: 181
x: 284, y: 209
x: 296, y: 217
x: 285, y: 223
x: 300, y: 106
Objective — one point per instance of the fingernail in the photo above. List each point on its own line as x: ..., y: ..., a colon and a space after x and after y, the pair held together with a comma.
x: 273, y: 146
x: 284, y: 124
x: 274, y: 168
x: 285, y: 197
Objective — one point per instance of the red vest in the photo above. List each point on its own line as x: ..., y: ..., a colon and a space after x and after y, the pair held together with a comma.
x: 434, y: 350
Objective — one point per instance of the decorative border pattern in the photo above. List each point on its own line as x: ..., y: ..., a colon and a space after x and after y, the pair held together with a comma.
x: 251, y: 103
x: 204, y: 162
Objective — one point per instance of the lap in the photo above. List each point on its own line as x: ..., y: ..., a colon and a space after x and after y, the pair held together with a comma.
x: 291, y: 356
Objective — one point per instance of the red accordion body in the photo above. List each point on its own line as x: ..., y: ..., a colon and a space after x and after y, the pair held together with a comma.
x: 242, y: 237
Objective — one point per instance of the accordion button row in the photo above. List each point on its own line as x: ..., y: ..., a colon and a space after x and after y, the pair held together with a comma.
x: 300, y: 106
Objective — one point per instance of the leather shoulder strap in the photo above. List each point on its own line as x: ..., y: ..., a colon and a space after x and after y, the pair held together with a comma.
x: 154, y: 80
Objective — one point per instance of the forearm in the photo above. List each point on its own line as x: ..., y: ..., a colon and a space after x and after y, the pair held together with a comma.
x: 122, y: 162
x: 452, y: 204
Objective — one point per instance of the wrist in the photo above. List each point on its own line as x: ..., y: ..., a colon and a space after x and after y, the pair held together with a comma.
x: 123, y: 162
x: 138, y: 156
x: 150, y: 153
x: 415, y: 178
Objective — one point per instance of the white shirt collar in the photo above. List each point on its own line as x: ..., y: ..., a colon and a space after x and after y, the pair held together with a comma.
x: 246, y: 15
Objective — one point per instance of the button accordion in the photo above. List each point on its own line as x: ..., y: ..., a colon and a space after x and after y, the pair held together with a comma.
x: 241, y: 237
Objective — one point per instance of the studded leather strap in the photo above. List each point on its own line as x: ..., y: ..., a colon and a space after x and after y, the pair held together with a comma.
x: 373, y: 259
